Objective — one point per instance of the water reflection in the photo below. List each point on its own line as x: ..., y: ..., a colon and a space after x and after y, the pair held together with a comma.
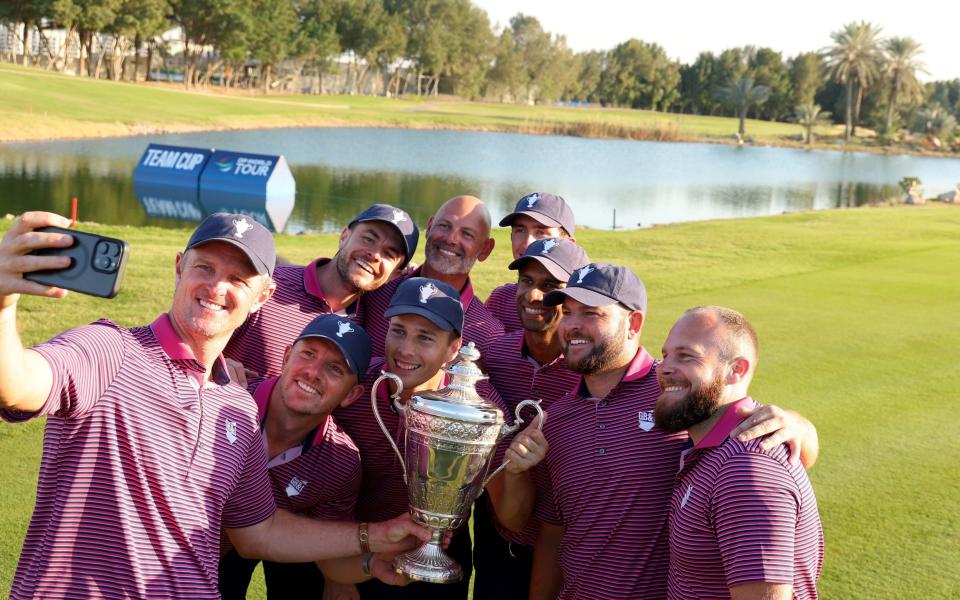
x: 341, y: 171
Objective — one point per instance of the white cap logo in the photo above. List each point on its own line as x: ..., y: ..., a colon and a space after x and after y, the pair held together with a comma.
x: 548, y: 246
x: 428, y: 291
x: 343, y: 328
x: 584, y: 272
x: 533, y: 199
x: 242, y: 226
x: 398, y: 217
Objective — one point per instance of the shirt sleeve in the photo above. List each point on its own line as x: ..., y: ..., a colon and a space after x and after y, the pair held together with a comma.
x: 84, y: 362
x: 251, y: 501
x: 755, y: 508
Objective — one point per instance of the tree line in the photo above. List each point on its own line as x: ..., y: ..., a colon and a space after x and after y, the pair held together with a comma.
x: 429, y: 47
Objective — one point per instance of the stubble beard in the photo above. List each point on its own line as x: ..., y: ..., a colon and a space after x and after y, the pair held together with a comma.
x: 605, y: 352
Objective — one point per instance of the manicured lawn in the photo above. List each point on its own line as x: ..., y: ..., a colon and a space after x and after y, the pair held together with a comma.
x: 857, y: 316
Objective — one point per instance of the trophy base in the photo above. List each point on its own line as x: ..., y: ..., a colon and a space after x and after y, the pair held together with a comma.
x: 428, y: 563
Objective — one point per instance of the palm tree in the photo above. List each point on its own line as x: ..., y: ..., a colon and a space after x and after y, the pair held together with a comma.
x: 810, y: 116
x: 742, y: 94
x: 854, y: 58
x: 901, y: 70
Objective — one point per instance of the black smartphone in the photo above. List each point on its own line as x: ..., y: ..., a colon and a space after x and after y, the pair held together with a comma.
x: 96, y: 266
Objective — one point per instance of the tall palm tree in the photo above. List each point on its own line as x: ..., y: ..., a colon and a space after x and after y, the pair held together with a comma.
x: 854, y: 59
x: 900, y: 69
x: 742, y: 94
x: 810, y: 116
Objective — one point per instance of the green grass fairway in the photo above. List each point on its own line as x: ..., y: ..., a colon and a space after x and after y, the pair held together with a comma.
x: 857, y: 312
x: 38, y: 104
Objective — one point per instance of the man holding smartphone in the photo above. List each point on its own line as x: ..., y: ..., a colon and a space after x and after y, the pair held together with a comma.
x: 149, y: 447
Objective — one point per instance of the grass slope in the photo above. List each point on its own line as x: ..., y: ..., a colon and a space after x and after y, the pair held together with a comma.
x: 37, y: 104
x: 856, y: 311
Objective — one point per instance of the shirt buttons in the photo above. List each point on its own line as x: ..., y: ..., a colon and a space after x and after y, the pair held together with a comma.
x: 603, y: 425
x: 602, y: 451
x: 603, y: 403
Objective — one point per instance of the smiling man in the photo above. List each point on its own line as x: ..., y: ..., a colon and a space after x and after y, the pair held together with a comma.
x: 380, y: 240
x: 603, y: 531
x: 743, y: 520
x: 149, y: 448
x: 537, y: 216
x: 457, y: 236
x: 425, y: 323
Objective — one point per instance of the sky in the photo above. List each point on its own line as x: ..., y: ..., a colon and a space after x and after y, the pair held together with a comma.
x: 684, y: 28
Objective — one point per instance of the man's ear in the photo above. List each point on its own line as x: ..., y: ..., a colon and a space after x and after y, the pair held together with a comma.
x: 352, y: 396
x: 634, y: 323
x: 178, y: 267
x: 487, y: 249
x: 286, y: 355
x: 739, y: 369
x: 344, y: 236
x: 264, y: 295
x: 454, y: 348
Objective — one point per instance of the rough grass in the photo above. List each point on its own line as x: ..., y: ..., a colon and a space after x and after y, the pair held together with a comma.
x: 857, y: 315
x: 37, y: 104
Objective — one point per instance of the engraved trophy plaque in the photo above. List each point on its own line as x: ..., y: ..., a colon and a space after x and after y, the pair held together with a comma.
x: 450, y: 436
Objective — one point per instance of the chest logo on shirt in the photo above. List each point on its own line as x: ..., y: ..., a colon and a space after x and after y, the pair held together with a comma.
x: 231, y: 431
x: 296, y: 486
x: 645, y: 417
x: 686, y: 496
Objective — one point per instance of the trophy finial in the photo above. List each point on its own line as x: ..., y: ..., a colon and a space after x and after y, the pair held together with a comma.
x: 470, y: 352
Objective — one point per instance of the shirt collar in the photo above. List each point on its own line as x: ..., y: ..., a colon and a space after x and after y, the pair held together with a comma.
x: 174, y: 347
x: 639, y: 367
x: 728, y: 421
x: 261, y: 396
x: 311, y: 282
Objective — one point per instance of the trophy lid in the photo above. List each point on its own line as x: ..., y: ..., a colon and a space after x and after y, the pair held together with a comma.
x: 459, y: 399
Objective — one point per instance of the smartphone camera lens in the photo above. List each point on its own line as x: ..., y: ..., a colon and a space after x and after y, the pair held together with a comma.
x: 104, y: 263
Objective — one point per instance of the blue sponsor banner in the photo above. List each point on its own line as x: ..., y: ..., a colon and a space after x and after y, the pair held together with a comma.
x: 258, y: 185
x: 169, y: 202
x: 171, y: 166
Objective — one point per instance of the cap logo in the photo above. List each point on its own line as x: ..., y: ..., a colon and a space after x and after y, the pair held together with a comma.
x: 428, y: 291
x: 343, y: 328
x: 584, y: 272
x: 398, y: 217
x: 241, y: 226
x: 548, y: 246
x: 532, y: 199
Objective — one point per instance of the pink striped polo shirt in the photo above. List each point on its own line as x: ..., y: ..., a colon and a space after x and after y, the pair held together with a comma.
x: 323, y: 480
x: 502, y: 303
x: 517, y: 376
x: 479, y: 325
x: 259, y: 343
x: 143, y: 463
x: 611, y: 474
x: 383, y: 495
x: 739, y: 515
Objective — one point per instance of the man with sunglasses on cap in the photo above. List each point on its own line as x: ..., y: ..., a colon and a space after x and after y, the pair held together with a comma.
x: 457, y: 236
x: 425, y: 324
x: 314, y: 466
x: 149, y: 447
x: 522, y: 364
x: 379, y: 241
x: 537, y: 216
x: 610, y: 469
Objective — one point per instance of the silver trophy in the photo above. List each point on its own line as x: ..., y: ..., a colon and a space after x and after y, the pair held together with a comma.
x: 450, y: 437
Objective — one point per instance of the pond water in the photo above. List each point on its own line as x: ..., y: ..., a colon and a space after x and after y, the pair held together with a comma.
x: 339, y: 171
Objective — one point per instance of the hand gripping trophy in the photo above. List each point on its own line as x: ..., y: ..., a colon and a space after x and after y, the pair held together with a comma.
x: 449, y: 439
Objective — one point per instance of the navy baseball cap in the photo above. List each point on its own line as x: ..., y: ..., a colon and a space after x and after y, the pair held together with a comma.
x: 600, y: 284
x: 254, y: 239
x: 544, y: 207
x: 350, y: 338
x: 401, y: 221
x: 431, y: 299
x: 559, y: 256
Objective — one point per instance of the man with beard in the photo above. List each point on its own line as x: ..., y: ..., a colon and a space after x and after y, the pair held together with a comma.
x: 149, y: 447
x: 377, y: 242
x: 743, y: 520
x: 523, y: 364
x: 426, y: 318
x: 314, y: 466
x: 610, y: 470
x: 457, y: 236
x: 537, y: 216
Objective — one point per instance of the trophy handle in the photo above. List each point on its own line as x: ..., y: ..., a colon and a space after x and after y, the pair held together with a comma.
x: 396, y: 403
x: 511, y: 429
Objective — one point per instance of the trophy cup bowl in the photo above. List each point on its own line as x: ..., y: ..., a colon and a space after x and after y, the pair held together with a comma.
x: 449, y: 440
